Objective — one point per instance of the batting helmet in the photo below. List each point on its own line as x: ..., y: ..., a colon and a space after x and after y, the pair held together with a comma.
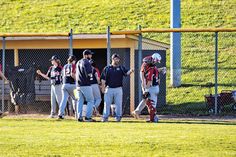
x: 156, y: 57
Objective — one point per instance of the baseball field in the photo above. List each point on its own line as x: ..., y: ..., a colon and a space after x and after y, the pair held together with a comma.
x: 51, y: 137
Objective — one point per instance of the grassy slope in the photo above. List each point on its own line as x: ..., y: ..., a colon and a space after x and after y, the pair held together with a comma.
x: 91, y: 16
x: 41, y: 137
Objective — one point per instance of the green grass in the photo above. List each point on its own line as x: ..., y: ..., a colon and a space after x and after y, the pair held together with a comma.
x: 42, y: 137
x: 94, y: 16
x: 89, y: 16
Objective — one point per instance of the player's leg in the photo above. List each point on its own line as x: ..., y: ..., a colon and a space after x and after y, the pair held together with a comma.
x: 97, y: 95
x: 58, y: 93
x: 151, y: 103
x: 53, y: 102
x: 139, y: 108
x: 108, y: 97
x: 88, y: 94
x: 62, y: 106
x: 80, y: 104
x: 70, y: 89
x: 118, y: 97
x: 74, y: 103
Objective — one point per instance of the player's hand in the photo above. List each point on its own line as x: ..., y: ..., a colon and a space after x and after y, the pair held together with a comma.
x: 38, y: 72
x: 102, y: 89
x: 131, y: 70
x: 6, y: 81
x: 163, y: 70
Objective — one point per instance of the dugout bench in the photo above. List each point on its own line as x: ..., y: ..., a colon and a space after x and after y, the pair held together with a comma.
x: 42, y: 94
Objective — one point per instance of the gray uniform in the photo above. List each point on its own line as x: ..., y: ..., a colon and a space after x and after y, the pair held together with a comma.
x: 54, y: 73
x: 154, y: 91
x: 68, y: 88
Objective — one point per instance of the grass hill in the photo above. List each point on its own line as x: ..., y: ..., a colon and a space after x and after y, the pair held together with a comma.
x: 93, y: 16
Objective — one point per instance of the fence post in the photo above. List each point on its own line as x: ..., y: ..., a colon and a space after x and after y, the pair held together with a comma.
x: 175, y: 49
x: 108, y: 45
x: 71, y: 42
x: 140, y: 38
x: 216, y: 71
x: 3, y: 70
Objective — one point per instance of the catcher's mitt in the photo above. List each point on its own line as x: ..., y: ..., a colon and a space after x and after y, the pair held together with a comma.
x: 146, y: 95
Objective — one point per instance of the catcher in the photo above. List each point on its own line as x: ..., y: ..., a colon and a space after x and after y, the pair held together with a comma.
x: 149, y: 74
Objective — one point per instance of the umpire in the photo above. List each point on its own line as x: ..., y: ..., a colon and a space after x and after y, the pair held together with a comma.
x: 83, y: 84
x: 112, y: 78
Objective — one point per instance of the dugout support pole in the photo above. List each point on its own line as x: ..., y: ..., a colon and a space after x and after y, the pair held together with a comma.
x: 216, y: 72
x: 140, y: 38
x: 71, y: 42
x: 3, y: 70
x: 175, y: 47
x: 108, y: 45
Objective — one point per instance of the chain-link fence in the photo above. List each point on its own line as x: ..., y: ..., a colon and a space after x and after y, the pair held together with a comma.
x: 26, y: 92
x: 196, y: 95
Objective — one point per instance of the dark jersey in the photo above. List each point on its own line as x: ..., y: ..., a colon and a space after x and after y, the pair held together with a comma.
x: 95, y: 72
x: 67, y: 72
x: 83, y: 72
x: 114, y: 75
x: 150, y: 73
x: 54, y: 73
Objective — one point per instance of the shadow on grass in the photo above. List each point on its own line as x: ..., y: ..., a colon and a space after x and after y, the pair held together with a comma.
x: 200, y: 122
x: 194, y: 109
x: 207, y: 85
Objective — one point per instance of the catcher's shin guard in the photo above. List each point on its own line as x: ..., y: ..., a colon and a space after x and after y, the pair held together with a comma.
x: 151, y: 109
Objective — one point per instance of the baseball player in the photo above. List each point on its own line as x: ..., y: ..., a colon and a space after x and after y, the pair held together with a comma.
x: 112, y: 77
x: 54, y: 75
x: 1, y: 73
x: 95, y: 85
x: 68, y: 75
x: 83, y: 84
x: 150, y: 86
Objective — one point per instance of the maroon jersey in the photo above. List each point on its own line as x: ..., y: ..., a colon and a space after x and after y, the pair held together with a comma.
x: 150, y: 73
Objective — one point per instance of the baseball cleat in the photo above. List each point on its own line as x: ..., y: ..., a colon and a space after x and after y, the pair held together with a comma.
x: 89, y: 120
x: 104, y: 120
x: 3, y: 114
x: 135, y: 115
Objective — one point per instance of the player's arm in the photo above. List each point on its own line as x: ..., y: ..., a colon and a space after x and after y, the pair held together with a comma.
x: 130, y: 72
x: 43, y: 75
x: 143, y: 81
x: 2, y: 76
x: 97, y: 75
x: 73, y: 74
x: 149, y: 80
x: 162, y: 69
x: 103, y: 80
x: 88, y: 69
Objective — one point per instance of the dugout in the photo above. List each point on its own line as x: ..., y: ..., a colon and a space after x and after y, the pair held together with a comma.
x: 38, y: 50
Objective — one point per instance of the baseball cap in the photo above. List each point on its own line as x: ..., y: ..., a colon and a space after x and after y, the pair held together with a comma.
x: 55, y: 57
x: 115, y: 55
x: 88, y: 52
x: 72, y: 58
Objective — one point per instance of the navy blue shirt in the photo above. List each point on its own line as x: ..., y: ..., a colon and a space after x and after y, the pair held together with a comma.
x: 67, y: 72
x: 114, y: 75
x: 54, y: 73
x: 83, y: 73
